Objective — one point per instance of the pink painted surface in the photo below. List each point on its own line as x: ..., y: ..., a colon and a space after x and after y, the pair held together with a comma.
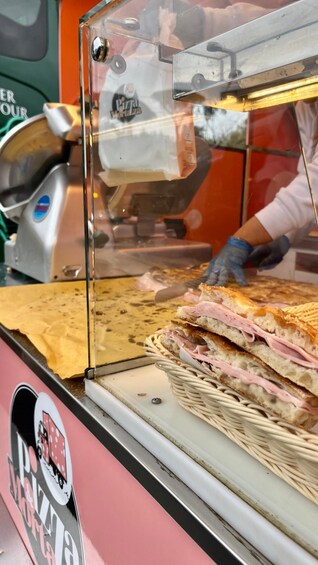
x: 120, y: 522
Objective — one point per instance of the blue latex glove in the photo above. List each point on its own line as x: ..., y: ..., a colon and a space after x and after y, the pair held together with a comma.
x: 270, y: 254
x: 229, y: 263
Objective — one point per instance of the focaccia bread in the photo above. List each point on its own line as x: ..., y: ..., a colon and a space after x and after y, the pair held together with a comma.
x: 53, y: 317
x: 279, y: 292
x: 263, y: 289
x: 229, y: 365
x: 283, y: 341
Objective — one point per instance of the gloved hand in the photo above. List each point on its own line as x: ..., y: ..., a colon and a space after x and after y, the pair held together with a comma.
x: 270, y: 254
x: 229, y: 263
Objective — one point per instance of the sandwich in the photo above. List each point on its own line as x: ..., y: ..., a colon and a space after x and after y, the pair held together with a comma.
x: 268, y: 355
x: 286, y: 340
x: 227, y: 364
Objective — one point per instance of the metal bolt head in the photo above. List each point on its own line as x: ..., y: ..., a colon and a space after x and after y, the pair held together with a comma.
x: 100, y: 49
x: 156, y: 400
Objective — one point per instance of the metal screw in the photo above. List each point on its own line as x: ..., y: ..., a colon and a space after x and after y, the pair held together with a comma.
x: 100, y: 49
x: 156, y: 400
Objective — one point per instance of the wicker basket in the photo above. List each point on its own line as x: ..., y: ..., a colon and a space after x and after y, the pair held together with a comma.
x: 289, y: 452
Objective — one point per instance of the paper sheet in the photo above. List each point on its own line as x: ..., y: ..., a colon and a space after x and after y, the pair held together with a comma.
x: 53, y: 317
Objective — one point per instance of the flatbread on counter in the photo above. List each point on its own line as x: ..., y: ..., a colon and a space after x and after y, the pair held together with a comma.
x: 53, y: 317
x: 125, y: 317
x: 279, y: 291
x: 261, y: 288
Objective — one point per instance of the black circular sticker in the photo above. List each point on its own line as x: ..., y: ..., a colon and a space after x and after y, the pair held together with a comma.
x: 40, y: 474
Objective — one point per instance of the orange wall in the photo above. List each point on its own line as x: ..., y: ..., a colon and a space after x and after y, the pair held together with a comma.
x: 215, y: 210
x: 70, y: 13
x: 274, y: 128
x: 274, y: 153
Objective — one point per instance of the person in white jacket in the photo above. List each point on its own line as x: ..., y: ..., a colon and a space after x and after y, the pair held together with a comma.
x: 266, y: 237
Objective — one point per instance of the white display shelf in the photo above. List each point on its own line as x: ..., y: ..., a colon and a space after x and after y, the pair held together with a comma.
x: 279, y: 521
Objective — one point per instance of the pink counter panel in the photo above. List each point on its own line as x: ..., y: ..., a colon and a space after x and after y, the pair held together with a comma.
x: 70, y: 498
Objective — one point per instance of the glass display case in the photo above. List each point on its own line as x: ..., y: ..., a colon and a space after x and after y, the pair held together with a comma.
x: 195, y: 405
x: 191, y: 126
x: 170, y: 171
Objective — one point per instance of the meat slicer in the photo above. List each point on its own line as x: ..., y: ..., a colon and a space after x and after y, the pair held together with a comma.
x: 41, y: 190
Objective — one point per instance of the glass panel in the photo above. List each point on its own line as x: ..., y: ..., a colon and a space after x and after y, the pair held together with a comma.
x: 245, y: 62
x: 167, y: 181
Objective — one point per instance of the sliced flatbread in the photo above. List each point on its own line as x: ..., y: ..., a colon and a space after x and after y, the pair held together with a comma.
x: 239, y: 370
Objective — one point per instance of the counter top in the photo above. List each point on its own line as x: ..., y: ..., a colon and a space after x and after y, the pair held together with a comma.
x: 212, y: 533
x: 266, y: 510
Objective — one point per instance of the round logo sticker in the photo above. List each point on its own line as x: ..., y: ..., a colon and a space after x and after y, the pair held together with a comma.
x: 41, y: 479
x: 41, y: 208
x: 125, y: 104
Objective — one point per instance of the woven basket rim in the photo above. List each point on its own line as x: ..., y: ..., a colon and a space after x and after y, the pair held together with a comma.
x: 306, y: 442
x: 288, y: 451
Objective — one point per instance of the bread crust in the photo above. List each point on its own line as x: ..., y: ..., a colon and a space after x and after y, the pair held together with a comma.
x: 221, y: 348
x: 281, y: 322
x: 261, y: 288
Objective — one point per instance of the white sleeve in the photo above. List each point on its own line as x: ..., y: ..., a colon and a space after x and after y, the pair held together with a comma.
x: 292, y: 209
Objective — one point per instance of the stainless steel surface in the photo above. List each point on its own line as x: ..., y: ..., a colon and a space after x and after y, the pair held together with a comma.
x: 9, y: 277
x: 273, y: 50
x: 12, y: 549
x: 27, y: 154
x: 41, y: 189
x: 136, y: 257
x: 42, y: 249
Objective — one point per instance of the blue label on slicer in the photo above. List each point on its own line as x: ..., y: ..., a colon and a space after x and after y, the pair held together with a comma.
x: 41, y: 208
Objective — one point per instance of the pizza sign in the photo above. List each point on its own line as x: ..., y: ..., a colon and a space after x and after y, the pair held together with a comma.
x: 40, y: 479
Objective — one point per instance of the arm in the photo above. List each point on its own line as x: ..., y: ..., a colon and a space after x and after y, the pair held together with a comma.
x: 292, y: 210
x: 262, y: 238
x: 253, y: 232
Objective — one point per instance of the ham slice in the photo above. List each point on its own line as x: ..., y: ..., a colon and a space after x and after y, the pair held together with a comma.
x: 147, y: 283
x: 196, y: 355
x: 252, y: 332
